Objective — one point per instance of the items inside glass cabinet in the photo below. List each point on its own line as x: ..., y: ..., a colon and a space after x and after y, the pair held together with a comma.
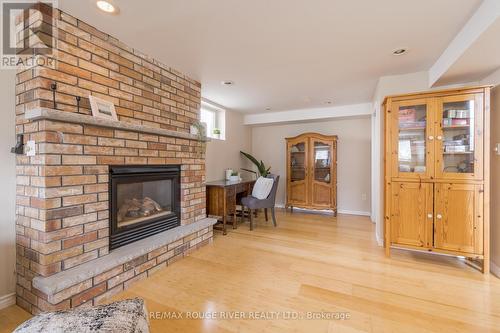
x: 298, y: 162
x: 322, y: 160
x: 458, y: 137
x: 412, y: 133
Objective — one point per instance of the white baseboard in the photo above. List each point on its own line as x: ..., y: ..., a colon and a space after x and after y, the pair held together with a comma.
x: 340, y: 211
x: 380, y: 239
x: 7, y: 300
x: 353, y: 212
x: 494, y: 269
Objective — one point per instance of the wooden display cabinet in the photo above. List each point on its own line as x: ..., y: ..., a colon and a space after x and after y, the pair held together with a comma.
x: 312, y: 172
x: 437, y: 173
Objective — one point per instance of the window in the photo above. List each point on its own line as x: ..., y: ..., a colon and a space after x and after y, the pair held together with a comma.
x: 215, y: 119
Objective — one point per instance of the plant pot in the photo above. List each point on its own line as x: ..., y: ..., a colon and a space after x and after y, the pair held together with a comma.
x: 234, y: 178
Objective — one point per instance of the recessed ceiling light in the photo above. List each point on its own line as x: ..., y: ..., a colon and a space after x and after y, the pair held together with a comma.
x: 398, y: 52
x: 106, y: 6
x: 227, y: 83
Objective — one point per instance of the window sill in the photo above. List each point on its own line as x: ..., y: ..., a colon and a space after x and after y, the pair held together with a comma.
x: 215, y: 139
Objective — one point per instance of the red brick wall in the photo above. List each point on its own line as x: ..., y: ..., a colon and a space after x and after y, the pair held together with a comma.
x: 89, y: 61
x: 62, y: 192
x: 100, y: 288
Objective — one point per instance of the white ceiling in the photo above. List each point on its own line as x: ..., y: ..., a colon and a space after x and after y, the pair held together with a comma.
x: 284, y: 54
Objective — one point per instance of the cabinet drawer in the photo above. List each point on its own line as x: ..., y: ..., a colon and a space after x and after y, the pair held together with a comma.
x: 241, y: 188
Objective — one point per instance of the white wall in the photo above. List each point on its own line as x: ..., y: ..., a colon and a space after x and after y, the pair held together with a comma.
x: 224, y: 154
x: 495, y: 184
x: 494, y: 79
x: 268, y: 144
x: 8, y: 182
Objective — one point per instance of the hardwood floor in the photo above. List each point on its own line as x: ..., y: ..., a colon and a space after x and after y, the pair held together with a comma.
x: 11, y: 317
x: 317, y: 263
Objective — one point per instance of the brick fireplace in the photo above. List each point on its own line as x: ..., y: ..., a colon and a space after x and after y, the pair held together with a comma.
x: 63, y: 207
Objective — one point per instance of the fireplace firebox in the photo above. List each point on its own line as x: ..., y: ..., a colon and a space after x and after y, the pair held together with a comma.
x: 144, y: 200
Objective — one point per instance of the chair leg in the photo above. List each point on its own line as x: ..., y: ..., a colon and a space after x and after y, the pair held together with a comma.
x: 251, y: 220
x: 265, y: 213
x: 274, y: 216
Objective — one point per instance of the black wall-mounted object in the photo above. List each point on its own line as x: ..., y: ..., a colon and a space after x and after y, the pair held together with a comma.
x: 78, y: 99
x: 53, y: 87
x: 19, y: 148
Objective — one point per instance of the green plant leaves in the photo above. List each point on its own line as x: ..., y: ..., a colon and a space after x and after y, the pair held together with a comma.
x: 263, y: 170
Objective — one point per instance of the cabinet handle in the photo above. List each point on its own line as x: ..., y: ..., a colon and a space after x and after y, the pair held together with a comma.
x: 431, y: 137
x: 439, y: 137
x: 439, y: 216
x: 429, y: 216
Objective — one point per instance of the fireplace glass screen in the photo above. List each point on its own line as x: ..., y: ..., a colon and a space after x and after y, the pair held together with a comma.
x: 144, y: 200
x: 141, y: 201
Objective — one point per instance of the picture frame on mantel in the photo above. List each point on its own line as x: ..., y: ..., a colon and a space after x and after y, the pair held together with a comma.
x: 102, y: 109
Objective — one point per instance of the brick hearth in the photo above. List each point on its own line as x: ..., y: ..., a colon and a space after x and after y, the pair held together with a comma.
x: 62, y: 192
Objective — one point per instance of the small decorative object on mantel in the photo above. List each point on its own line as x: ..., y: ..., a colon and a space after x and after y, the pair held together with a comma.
x: 200, y: 130
x: 102, y: 108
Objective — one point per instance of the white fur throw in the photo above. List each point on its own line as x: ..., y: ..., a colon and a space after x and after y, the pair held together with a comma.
x: 262, y: 188
x: 129, y: 316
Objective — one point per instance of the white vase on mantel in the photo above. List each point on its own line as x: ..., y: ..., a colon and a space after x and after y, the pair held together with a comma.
x: 193, y: 130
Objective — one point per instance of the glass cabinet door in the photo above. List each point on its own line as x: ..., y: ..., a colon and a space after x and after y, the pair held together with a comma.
x: 321, y: 166
x: 298, y: 166
x: 459, y: 139
x: 322, y: 162
x: 298, y: 160
x: 413, y: 140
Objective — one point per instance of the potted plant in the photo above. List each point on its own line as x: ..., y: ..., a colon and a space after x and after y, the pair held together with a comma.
x: 234, y: 176
x: 216, y: 133
x: 263, y: 170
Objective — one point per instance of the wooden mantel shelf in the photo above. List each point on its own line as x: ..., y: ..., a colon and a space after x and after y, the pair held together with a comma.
x: 77, y: 118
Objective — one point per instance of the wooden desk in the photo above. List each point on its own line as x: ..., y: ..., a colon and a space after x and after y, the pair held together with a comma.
x: 222, y: 198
